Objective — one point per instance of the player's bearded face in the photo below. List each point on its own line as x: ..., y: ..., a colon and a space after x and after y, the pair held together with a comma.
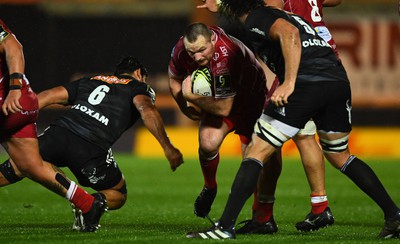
x: 201, y: 51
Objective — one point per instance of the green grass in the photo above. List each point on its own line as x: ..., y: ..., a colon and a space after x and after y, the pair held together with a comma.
x: 160, y: 206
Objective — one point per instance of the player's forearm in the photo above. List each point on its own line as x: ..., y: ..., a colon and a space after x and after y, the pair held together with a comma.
x: 221, y: 107
x: 153, y: 122
x: 175, y: 87
x: 57, y: 95
x: 14, y: 55
x: 291, y: 50
x: 44, y: 99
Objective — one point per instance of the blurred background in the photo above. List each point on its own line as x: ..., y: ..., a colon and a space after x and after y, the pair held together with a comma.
x: 65, y: 39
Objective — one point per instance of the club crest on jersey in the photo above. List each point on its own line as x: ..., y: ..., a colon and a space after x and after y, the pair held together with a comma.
x: 216, y: 56
x: 111, y: 79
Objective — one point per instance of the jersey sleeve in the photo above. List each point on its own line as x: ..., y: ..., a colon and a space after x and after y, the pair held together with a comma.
x: 144, y: 89
x: 4, y: 31
x: 258, y: 22
x: 176, y: 67
x: 72, y: 89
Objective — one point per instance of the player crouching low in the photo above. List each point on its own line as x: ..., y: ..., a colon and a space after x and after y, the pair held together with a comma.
x: 102, y: 108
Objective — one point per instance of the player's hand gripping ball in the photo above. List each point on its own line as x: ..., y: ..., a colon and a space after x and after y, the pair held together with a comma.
x: 202, y: 82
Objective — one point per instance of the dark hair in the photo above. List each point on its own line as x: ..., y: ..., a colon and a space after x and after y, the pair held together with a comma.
x: 237, y: 8
x: 128, y: 65
x: 193, y: 31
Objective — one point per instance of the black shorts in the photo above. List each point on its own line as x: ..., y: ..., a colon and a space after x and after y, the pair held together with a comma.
x: 92, y: 166
x: 327, y: 103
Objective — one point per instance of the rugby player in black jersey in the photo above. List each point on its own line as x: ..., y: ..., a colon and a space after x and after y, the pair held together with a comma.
x: 313, y: 84
x: 102, y: 108
x: 18, y: 135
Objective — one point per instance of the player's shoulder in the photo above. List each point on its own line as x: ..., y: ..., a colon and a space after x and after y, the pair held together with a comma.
x: 178, y: 48
x: 217, y: 29
x: 225, y: 43
x: 179, y: 52
x: 229, y: 47
x: 263, y: 13
x: 220, y: 35
x: 141, y: 88
x: 112, y: 79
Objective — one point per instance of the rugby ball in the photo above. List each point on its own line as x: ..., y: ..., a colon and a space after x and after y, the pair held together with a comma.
x: 202, y: 82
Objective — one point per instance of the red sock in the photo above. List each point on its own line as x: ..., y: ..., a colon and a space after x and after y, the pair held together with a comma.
x: 263, y: 212
x: 318, y: 203
x: 80, y: 198
x: 209, y: 168
x: 255, y: 201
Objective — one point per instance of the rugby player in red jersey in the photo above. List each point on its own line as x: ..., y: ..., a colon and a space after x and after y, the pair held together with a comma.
x: 19, y: 106
x: 237, y: 101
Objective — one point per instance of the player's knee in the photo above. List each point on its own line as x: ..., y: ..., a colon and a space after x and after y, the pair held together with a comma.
x: 270, y: 134
x: 205, y: 156
x: 208, y: 147
x: 119, y: 197
x: 334, y: 146
x: 9, y: 173
x: 123, y: 189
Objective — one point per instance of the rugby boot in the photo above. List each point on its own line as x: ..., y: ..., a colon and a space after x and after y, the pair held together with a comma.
x: 253, y: 227
x: 391, y: 228
x: 214, y: 233
x: 202, y: 205
x: 91, y: 219
x: 316, y: 221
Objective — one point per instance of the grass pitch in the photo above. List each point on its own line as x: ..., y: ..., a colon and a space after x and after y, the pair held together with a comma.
x: 160, y: 206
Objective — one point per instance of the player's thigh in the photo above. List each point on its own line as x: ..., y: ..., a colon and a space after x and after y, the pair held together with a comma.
x: 61, y: 147
x: 302, y: 104
x: 25, y: 154
x: 92, y: 166
x: 336, y: 113
x: 305, y: 138
x: 18, y: 125
x: 212, y: 132
x: 100, y: 172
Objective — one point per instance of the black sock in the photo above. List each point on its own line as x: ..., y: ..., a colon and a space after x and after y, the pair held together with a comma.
x: 365, y: 178
x: 242, y: 188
